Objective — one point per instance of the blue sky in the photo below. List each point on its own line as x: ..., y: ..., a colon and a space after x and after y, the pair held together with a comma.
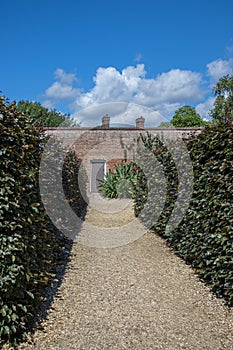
x: 125, y: 58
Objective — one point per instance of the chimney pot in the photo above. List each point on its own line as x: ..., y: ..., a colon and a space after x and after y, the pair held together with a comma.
x: 106, y: 122
x: 140, y: 123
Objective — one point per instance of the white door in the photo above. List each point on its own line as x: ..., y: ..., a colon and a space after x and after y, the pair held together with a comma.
x: 98, y: 168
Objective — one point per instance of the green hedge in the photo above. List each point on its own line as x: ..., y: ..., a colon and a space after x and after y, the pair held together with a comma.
x: 204, y: 238
x: 157, y: 187
x: 30, y: 246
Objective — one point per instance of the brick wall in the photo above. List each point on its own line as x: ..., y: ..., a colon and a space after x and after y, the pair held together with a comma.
x: 110, y: 145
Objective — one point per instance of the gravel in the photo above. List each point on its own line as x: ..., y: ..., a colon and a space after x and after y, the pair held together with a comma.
x: 133, y: 294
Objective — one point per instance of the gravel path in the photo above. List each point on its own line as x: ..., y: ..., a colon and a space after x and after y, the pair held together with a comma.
x: 131, y: 293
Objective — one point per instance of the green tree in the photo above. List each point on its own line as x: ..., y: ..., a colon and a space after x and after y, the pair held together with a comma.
x: 165, y: 125
x: 48, y: 118
x: 187, y: 116
x: 223, y: 105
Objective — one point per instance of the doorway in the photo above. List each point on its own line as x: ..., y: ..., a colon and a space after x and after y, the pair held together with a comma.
x: 98, y: 170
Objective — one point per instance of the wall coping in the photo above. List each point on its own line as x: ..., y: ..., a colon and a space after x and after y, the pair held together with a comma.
x: 133, y: 129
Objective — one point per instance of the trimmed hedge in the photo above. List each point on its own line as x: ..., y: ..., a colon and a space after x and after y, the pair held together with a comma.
x: 204, y: 238
x: 74, y: 182
x: 157, y: 187
x: 30, y: 246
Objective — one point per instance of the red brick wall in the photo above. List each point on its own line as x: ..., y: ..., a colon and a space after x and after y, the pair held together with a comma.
x: 112, y: 162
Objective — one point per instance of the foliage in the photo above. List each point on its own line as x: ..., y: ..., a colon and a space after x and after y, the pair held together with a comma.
x: 30, y: 246
x: 160, y: 181
x: 204, y: 238
x: 120, y: 182
x: 187, y: 116
x: 74, y: 180
x: 40, y: 114
x: 223, y: 105
x: 165, y: 125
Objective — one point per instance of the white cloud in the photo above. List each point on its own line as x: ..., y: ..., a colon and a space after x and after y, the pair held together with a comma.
x: 91, y: 116
x: 65, y: 78
x: 132, y: 77
x: 62, y: 89
x: 229, y: 49
x: 138, y: 57
x: 168, y: 109
x: 204, y: 108
x: 219, y: 68
x: 162, y: 94
x: 129, y: 93
x: 120, y: 112
x: 175, y: 86
x: 48, y: 104
x: 59, y: 91
x: 134, y: 111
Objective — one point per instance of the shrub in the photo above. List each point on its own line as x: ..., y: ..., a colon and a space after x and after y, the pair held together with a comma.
x: 204, y: 238
x: 30, y: 246
x: 120, y: 182
x: 74, y: 181
x: 63, y: 183
x: 159, y: 182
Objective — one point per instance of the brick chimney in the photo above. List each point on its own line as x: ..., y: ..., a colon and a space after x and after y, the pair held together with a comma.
x: 140, y: 123
x: 106, y: 122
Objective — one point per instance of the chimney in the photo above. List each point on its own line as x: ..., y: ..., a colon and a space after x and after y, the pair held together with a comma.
x: 140, y: 123
x: 106, y: 122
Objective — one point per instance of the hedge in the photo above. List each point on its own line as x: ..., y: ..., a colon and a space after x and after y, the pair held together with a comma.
x: 30, y: 246
x: 204, y: 238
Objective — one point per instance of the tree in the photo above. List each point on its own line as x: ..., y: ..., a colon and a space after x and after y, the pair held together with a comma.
x: 165, y: 125
x: 187, y: 116
x: 48, y: 118
x: 223, y: 105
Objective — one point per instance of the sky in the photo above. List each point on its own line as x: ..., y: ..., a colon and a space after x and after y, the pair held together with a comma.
x: 122, y: 58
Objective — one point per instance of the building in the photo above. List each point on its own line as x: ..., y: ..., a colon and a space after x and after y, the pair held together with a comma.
x: 102, y: 147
